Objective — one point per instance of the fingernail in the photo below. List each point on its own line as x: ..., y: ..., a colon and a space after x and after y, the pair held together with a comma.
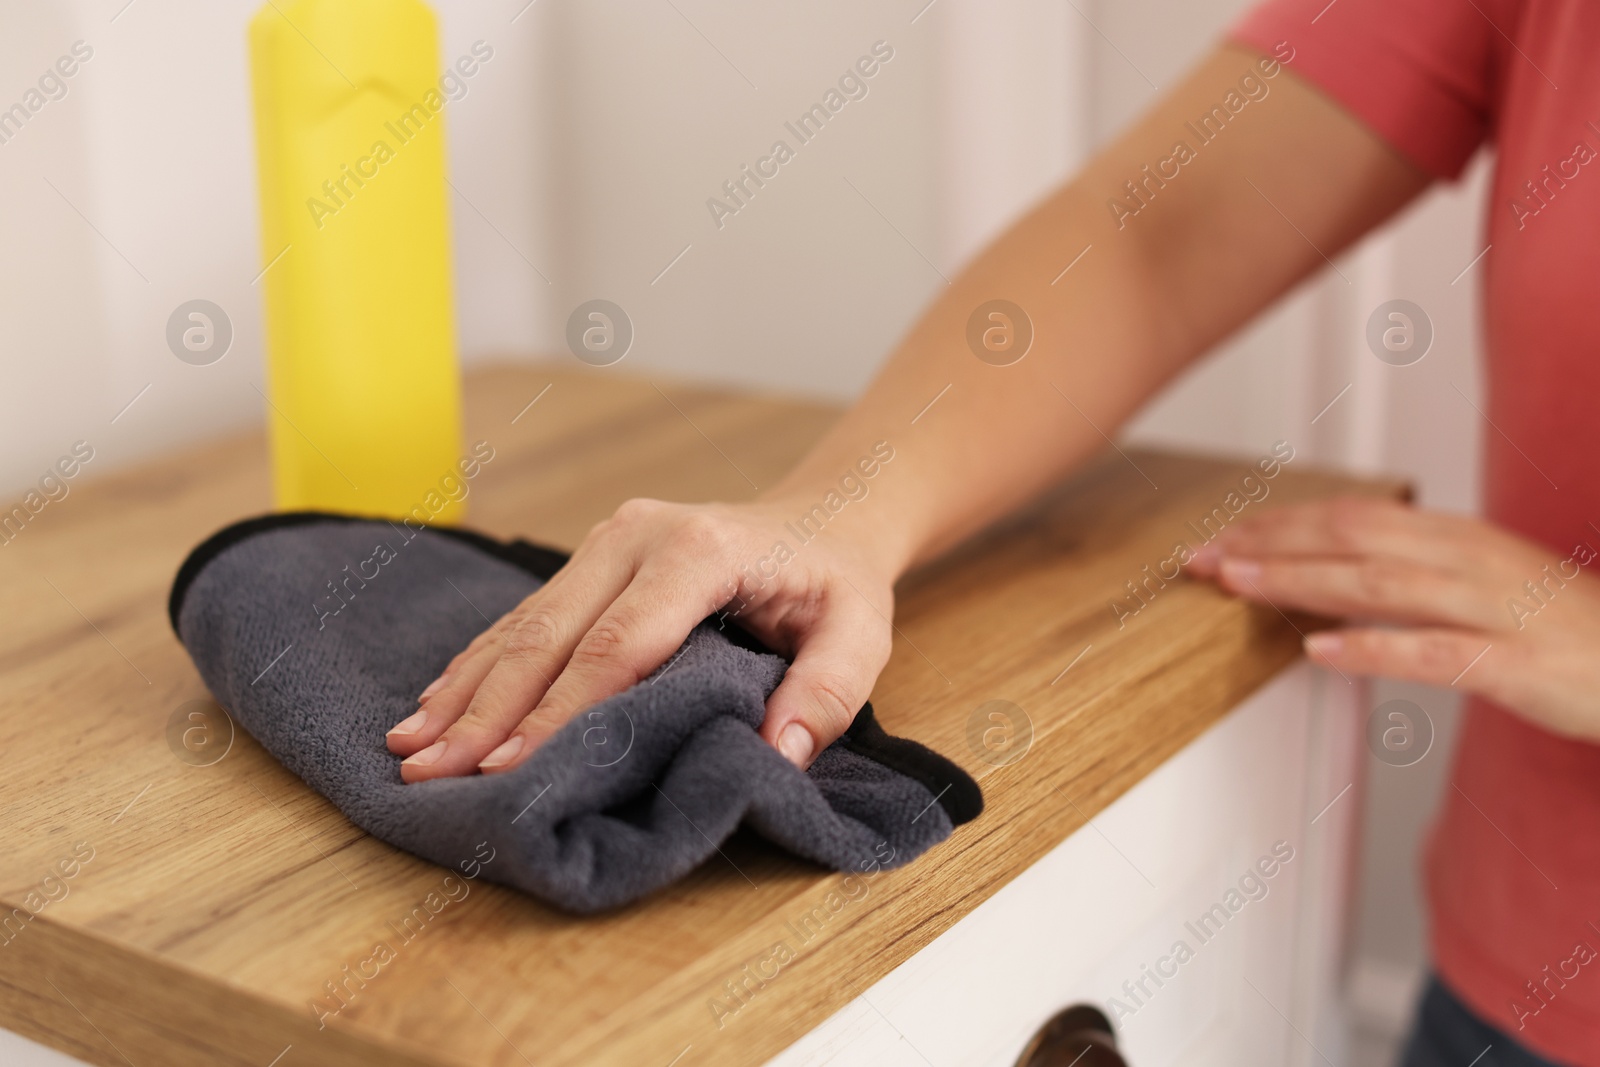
x: 410, y: 725
x: 1206, y: 556
x: 434, y: 686
x: 503, y: 755
x: 1241, y: 571
x: 1325, y: 644
x: 428, y: 756
x: 794, y: 741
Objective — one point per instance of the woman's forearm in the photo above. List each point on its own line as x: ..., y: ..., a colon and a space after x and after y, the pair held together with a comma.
x: 1146, y: 293
x: 971, y: 439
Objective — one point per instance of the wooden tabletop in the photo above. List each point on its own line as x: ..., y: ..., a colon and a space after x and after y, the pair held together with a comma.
x: 207, y: 907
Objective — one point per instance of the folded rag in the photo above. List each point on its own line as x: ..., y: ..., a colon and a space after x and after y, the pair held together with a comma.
x: 316, y: 632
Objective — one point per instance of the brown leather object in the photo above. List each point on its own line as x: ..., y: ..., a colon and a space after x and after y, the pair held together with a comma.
x: 1077, y: 1036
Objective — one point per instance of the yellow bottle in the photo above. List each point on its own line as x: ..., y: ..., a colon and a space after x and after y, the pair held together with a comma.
x: 365, y: 396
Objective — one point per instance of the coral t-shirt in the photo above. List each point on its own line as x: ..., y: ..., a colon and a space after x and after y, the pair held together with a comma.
x: 1514, y: 862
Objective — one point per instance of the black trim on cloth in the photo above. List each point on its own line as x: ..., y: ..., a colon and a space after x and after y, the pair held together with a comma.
x: 537, y: 560
x: 951, y: 786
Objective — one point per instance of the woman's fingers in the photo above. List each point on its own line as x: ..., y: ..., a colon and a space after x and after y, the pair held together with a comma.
x: 442, y: 703
x: 641, y: 629
x: 1355, y: 527
x: 831, y: 677
x: 1344, y: 527
x: 1374, y: 588
x: 475, y: 710
x: 1441, y: 657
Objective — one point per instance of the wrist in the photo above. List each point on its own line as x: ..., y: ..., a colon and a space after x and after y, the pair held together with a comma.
x: 851, y: 507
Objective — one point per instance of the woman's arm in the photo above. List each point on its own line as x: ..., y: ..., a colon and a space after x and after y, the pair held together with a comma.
x: 1289, y: 180
x: 1284, y: 179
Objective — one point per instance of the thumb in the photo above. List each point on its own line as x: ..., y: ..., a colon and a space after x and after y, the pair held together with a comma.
x: 831, y: 677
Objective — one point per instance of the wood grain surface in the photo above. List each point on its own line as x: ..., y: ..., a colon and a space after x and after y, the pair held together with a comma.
x: 219, y: 901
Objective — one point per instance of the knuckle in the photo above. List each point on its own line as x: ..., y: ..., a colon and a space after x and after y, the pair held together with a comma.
x: 631, y: 516
x: 537, y: 726
x: 834, y: 698
x: 875, y: 644
x: 534, y: 630
x: 880, y: 647
x: 1437, y: 651
x: 703, y: 534
x: 607, y: 639
x: 640, y: 507
x: 477, y: 721
x: 637, y: 509
x: 601, y: 531
x: 1347, y: 519
x: 1443, y: 653
x: 1379, y: 583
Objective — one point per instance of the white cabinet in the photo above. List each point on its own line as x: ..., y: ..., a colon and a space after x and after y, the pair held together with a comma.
x: 1177, y: 860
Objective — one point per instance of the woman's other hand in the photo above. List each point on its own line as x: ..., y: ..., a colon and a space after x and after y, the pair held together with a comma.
x: 1429, y: 597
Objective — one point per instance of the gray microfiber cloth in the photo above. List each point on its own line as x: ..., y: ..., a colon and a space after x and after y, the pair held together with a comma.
x: 317, y: 631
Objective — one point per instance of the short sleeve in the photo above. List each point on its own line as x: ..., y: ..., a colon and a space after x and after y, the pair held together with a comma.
x: 1419, y: 73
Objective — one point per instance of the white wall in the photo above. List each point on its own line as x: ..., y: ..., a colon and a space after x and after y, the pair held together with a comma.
x: 808, y: 284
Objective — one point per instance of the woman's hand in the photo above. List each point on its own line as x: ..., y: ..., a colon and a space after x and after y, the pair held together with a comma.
x: 623, y: 605
x: 1429, y: 597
